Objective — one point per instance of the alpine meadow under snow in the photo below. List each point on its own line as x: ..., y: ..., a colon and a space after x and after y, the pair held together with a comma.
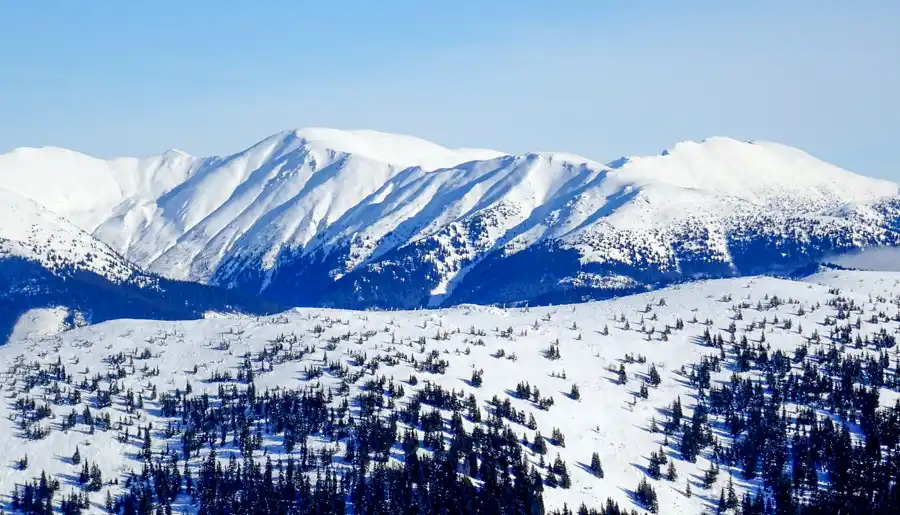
x: 680, y: 333
x: 727, y: 395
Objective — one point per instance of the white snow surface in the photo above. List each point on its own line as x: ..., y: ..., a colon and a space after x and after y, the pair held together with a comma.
x: 206, y: 219
x: 603, y: 420
x: 36, y: 324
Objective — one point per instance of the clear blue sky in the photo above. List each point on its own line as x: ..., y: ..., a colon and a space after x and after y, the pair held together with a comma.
x: 598, y: 78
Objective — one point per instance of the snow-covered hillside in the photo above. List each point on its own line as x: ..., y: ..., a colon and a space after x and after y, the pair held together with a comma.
x: 52, y: 270
x: 362, y: 219
x: 30, y: 231
x: 569, y: 381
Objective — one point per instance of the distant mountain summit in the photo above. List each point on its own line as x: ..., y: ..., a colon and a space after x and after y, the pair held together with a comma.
x: 368, y: 219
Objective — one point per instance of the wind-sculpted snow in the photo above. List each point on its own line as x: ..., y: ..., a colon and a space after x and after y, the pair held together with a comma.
x: 713, y: 396
x: 367, y: 219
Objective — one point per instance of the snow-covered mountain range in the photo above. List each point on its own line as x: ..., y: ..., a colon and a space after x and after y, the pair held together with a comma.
x: 633, y: 403
x: 368, y: 219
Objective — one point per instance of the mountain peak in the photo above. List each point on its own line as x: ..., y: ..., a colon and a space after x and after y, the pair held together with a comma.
x: 174, y: 152
x: 396, y: 149
x: 749, y: 169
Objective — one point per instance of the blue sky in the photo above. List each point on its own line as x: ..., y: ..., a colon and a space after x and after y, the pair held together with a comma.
x: 597, y: 78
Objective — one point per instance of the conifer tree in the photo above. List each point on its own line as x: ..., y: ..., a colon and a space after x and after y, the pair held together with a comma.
x: 654, y: 378
x: 671, y: 475
x: 95, y: 483
x: 596, y: 466
x: 646, y: 495
x: 575, y: 394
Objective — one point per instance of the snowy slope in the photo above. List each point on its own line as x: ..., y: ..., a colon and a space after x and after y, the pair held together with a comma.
x: 720, y: 207
x: 51, y: 270
x: 178, y: 215
x: 39, y: 323
x: 85, y: 190
x: 31, y: 232
x: 609, y: 418
x: 362, y: 218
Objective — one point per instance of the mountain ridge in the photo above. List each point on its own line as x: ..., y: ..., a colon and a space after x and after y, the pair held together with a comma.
x: 324, y: 217
x: 46, y: 263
